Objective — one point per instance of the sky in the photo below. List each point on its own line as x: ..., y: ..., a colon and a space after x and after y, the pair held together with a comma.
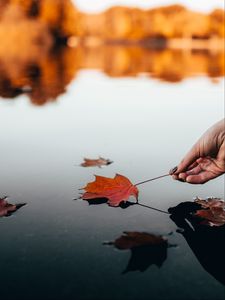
x: 99, y: 5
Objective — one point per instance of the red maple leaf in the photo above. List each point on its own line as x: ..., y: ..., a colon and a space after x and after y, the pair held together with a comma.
x: 116, y: 190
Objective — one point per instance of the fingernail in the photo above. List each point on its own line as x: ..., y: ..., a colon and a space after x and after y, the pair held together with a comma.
x: 172, y: 171
x: 181, y: 179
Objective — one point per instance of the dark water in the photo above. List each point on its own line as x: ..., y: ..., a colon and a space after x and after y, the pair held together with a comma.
x: 52, y: 248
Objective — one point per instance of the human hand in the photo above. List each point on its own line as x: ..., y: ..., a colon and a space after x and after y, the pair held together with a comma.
x: 206, y: 159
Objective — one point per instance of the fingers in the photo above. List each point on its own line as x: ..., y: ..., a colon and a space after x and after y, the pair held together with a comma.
x: 173, y: 171
x: 189, y: 160
x: 193, y: 165
x: 193, y: 169
x: 197, y: 173
x: 201, y: 178
x: 200, y: 173
x: 182, y: 176
x: 195, y: 178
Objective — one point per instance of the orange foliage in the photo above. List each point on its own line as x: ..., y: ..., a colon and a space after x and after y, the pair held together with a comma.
x: 175, y: 21
x: 61, y: 17
x: 119, y: 23
x: 29, y: 29
x: 116, y: 190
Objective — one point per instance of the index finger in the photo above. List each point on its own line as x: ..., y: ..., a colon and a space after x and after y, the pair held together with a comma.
x: 188, y: 160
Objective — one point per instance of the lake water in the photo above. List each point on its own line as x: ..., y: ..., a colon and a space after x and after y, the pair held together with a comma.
x: 52, y: 248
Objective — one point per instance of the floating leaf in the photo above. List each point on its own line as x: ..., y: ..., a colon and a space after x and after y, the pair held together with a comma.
x: 212, y: 212
x: 116, y: 190
x: 6, y: 209
x: 96, y: 162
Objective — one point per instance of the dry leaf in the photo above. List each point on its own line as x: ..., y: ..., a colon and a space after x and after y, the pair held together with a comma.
x: 6, y: 209
x: 213, y: 212
x: 96, y: 162
x: 116, y: 190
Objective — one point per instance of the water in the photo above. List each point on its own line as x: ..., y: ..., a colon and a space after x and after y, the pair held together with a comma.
x: 53, y: 246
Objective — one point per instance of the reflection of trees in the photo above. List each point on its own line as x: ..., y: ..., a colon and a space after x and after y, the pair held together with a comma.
x: 43, y: 78
x: 44, y: 74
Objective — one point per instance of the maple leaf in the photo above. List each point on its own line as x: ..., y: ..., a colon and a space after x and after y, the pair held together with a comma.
x: 96, y: 162
x: 116, y: 190
x: 212, y: 212
x: 146, y: 249
x: 6, y: 209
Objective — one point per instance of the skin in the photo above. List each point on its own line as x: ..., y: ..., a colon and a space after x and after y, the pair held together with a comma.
x: 206, y: 159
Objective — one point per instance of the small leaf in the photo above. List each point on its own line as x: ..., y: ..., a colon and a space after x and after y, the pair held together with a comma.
x: 96, y: 162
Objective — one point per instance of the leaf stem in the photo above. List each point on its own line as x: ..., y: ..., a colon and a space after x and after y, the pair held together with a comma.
x: 162, y: 211
x: 152, y: 179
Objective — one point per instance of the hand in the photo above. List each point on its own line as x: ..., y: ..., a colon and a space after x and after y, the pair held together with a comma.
x: 206, y: 159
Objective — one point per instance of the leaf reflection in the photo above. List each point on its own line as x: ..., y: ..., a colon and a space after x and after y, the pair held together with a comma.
x: 143, y: 257
x: 146, y: 250
x: 207, y: 243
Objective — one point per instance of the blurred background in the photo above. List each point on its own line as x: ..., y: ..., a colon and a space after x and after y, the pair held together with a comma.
x: 169, y: 42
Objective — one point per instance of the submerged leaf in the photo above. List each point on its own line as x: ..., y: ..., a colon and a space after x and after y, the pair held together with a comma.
x: 212, y: 212
x: 6, y: 209
x: 116, y: 190
x: 96, y: 162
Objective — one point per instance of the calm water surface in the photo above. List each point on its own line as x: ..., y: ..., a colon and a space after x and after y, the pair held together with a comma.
x: 53, y: 247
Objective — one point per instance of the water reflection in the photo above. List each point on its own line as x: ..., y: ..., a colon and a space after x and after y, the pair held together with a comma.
x: 146, y: 250
x: 207, y: 243
x: 44, y: 75
x: 143, y: 257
